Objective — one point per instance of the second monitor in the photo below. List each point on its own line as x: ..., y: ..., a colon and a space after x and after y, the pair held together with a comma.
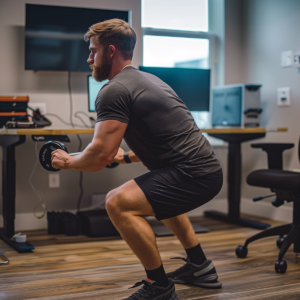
x: 191, y: 85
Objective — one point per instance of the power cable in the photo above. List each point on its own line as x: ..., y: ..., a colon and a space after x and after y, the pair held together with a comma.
x: 59, y: 118
x: 80, y: 141
x: 80, y: 177
x: 71, y: 101
x: 36, y: 191
x: 76, y: 115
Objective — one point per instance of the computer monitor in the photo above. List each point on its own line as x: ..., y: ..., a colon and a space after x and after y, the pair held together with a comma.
x: 93, y: 90
x: 191, y: 85
x: 227, y: 105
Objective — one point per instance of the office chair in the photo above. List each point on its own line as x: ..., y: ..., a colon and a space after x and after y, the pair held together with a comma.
x: 286, y: 186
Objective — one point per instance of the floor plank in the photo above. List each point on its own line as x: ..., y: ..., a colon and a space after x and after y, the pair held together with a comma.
x: 79, y: 267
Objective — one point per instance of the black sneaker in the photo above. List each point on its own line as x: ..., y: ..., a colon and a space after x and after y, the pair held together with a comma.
x: 204, y: 275
x: 151, y: 291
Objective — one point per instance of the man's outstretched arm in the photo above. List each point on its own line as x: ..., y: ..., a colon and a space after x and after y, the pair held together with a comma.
x: 98, y: 154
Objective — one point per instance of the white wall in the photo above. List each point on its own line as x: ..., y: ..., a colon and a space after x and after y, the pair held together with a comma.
x: 270, y: 27
x: 51, y: 88
x: 255, y: 34
x: 234, y: 50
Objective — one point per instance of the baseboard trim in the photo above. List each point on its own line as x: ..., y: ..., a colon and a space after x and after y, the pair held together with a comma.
x: 27, y: 221
x: 259, y: 209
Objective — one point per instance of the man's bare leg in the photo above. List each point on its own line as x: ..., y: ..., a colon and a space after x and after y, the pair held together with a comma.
x: 126, y: 205
x: 183, y: 230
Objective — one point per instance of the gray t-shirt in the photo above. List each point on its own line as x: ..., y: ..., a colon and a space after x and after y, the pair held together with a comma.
x: 161, y: 130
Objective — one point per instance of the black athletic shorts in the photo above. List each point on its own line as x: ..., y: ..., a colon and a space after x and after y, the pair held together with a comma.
x: 171, y: 192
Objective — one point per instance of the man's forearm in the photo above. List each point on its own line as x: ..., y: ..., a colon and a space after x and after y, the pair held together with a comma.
x: 92, y: 159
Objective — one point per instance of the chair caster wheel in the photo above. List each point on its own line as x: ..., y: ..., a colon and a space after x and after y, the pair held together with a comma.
x: 280, y: 266
x: 241, y: 251
x: 280, y: 241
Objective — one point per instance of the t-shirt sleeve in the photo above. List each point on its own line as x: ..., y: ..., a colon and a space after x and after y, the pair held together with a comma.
x: 113, y: 103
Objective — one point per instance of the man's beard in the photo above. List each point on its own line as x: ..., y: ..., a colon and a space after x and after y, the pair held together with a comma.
x: 101, y: 73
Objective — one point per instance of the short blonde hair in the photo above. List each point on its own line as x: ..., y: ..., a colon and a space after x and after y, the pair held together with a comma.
x: 114, y: 32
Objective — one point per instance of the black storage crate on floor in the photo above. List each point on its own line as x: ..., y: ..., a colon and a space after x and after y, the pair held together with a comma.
x: 96, y: 223
x: 63, y: 222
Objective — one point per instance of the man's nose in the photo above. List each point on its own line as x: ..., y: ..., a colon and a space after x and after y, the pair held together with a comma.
x: 90, y: 60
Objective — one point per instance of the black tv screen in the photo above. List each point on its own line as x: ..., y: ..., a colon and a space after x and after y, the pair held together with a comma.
x: 54, y: 36
x: 191, y: 85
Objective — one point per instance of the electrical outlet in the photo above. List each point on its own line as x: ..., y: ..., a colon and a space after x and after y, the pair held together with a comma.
x: 54, y: 181
x: 284, y: 96
x: 40, y: 106
x: 297, y: 60
x: 287, y: 58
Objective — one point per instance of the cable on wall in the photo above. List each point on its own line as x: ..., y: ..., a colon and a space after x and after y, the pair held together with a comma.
x: 80, y: 177
x: 79, y: 139
x: 60, y: 119
x: 36, y: 191
x: 71, y: 101
x: 81, y: 112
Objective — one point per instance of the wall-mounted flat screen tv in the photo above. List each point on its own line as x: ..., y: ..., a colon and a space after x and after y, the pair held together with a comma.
x: 54, y: 36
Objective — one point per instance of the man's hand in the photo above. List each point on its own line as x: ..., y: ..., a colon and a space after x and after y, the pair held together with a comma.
x: 61, y: 160
x: 119, y: 158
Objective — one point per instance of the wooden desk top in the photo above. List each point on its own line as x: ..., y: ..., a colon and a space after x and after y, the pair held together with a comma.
x: 246, y: 130
x: 65, y: 131
x: 48, y: 131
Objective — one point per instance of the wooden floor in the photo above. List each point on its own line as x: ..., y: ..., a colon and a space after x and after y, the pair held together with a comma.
x: 83, y: 268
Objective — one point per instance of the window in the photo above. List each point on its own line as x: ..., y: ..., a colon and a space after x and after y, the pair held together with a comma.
x: 180, y: 52
x: 176, y: 34
x: 188, y: 15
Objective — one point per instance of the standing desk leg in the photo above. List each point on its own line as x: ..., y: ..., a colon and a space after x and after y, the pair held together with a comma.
x: 234, y: 180
x: 9, y: 191
x: 234, y: 192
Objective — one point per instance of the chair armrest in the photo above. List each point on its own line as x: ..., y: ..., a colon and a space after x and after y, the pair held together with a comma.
x: 274, y: 152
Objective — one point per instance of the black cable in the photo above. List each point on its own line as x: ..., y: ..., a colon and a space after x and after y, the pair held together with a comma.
x: 91, y: 119
x: 81, y: 120
x: 71, y: 102
x: 80, y: 177
x: 80, y: 141
x: 58, y: 117
x: 82, y: 112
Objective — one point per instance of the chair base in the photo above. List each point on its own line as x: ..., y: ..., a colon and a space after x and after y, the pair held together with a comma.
x: 292, y: 232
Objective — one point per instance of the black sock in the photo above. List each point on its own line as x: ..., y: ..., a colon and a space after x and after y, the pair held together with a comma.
x: 159, y: 276
x: 196, y: 255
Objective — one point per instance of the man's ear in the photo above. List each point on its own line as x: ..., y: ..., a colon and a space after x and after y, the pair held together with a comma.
x: 111, y: 51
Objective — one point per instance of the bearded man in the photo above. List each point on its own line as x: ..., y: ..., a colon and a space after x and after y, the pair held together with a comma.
x: 160, y: 131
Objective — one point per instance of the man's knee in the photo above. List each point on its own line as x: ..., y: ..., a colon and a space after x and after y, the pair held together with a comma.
x: 113, y: 202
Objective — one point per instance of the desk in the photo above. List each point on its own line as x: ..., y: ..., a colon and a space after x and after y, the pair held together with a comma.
x: 234, y: 137
x: 9, y: 140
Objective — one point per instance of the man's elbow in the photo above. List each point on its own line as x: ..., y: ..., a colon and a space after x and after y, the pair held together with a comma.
x: 102, y: 162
